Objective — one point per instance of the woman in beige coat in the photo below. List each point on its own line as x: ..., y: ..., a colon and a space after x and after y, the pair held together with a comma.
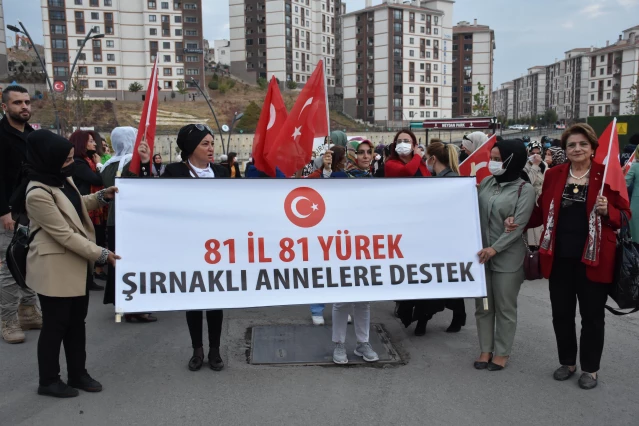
x: 60, y: 259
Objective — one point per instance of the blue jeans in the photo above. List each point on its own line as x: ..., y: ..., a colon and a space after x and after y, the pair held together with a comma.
x: 317, y: 310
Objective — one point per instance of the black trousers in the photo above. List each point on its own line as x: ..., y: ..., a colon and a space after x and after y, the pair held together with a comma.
x: 109, y: 291
x: 62, y: 323
x: 568, y: 284
x: 214, y: 323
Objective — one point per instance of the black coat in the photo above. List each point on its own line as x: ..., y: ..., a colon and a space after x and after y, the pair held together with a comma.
x: 181, y: 170
x: 13, y: 154
x: 84, y: 177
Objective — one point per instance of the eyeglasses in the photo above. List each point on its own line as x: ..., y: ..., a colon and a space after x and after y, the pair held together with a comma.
x: 201, y: 128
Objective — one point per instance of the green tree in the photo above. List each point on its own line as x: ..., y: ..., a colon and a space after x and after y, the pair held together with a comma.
x: 481, y: 102
x: 633, y: 98
x: 213, y: 85
x: 248, y: 122
x: 262, y: 82
x: 550, y: 117
x: 291, y: 84
x: 215, y: 77
x: 182, y: 89
x: 135, y: 87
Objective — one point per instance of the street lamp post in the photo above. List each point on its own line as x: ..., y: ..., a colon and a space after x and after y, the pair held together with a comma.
x: 44, y: 68
x: 236, y: 118
x: 77, y: 56
x: 210, y: 104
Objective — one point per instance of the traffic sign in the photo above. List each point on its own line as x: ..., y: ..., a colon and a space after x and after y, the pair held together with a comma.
x: 59, y: 86
x: 459, y: 123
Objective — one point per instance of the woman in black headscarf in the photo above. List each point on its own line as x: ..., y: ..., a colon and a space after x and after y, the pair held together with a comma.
x: 197, y: 145
x: 60, y: 259
x: 501, y: 196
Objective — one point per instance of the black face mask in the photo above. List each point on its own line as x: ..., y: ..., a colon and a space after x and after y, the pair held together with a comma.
x: 68, y: 170
x: 91, y: 153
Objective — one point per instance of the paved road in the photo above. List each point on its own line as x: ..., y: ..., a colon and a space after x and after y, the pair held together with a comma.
x: 146, y: 382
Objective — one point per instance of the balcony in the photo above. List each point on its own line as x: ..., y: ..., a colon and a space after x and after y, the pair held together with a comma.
x: 617, y: 61
x: 615, y: 101
x: 616, y: 87
x: 617, y: 72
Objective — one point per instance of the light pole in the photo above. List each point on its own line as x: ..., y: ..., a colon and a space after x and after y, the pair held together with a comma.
x: 44, y: 68
x: 236, y: 118
x: 77, y: 56
x: 210, y: 104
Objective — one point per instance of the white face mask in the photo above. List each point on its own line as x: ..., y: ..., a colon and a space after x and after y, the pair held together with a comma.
x: 497, y: 168
x: 430, y: 168
x: 378, y: 157
x: 403, y: 148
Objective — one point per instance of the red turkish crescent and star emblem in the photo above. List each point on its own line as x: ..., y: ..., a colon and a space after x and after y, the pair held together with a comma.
x: 59, y: 86
x: 304, y: 207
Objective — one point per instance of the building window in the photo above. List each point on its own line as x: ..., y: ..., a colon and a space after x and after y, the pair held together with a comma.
x: 78, y: 2
x: 166, y: 45
x: 110, y: 43
x: 58, y: 29
x: 168, y: 85
x: 60, y: 71
x: 112, y: 84
x: 82, y: 71
x: 191, y: 33
x: 192, y: 71
x: 592, y: 97
x: 82, y: 57
x: 79, y: 15
x: 192, y: 46
x: 111, y: 71
x: 191, y: 19
x: 152, y: 5
x: 99, y: 84
x: 97, y: 70
x: 165, y: 5
x: 436, y: 31
x: 153, y: 18
x: 167, y: 71
x: 95, y: 16
x: 192, y: 59
x: 167, y: 58
x: 56, y: 15
x: 434, y: 114
x: 180, y: 71
x: 177, y: 19
x: 97, y: 43
x: 397, y: 14
x: 97, y: 57
x: 435, y: 79
x: 179, y: 58
x: 108, y: 2
x: 58, y: 43
x: 608, y: 96
x: 153, y: 31
x: 178, y: 32
x: 94, y: 3
x: 110, y: 57
x: 190, y: 6
x: 591, y: 112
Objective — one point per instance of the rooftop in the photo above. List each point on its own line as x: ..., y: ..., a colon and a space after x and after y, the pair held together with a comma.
x: 384, y: 5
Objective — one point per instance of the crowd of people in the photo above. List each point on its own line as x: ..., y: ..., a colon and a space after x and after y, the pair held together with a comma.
x: 63, y: 191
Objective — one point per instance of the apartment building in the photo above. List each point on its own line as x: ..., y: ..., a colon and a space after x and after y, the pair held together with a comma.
x: 613, y: 70
x: 4, y: 70
x: 135, y: 33
x: 285, y: 38
x: 473, y: 47
x: 530, y: 94
x: 398, y: 61
x: 222, y: 52
x: 567, y: 85
x: 502, y: 101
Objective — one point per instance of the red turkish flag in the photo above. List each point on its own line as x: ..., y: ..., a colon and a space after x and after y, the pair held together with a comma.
x: 608, y: 155
x: 631, y: 160
x: 477, y: 163
x: 291, y: 150
x: 146, y: 128
x: 268, y: 128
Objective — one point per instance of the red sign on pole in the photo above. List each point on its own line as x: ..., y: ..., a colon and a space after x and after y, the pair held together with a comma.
x: 461, y: 123
x: 59, y: 86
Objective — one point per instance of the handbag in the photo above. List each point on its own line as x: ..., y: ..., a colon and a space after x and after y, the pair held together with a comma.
x: 625, y: 286
x: 19, y: 248
x: 532, y: 264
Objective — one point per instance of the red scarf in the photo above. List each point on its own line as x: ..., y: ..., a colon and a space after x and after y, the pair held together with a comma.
x: 99, y: 216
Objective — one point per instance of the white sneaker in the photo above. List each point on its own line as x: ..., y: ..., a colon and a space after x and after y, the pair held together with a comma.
x: 318, y: 320
x: 350, y: 319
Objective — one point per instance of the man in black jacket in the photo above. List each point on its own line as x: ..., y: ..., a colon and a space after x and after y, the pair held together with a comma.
x: 18, y: 307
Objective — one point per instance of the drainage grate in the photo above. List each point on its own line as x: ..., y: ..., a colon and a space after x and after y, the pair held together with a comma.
x: 312, y: 345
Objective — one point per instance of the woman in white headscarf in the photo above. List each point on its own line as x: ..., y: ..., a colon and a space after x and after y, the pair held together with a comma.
x: 472, y: 141
x: 122, y: 140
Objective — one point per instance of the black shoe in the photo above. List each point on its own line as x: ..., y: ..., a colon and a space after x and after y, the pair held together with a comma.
x: 563, y: 373
x: 195, y: 363
x: 494, y: 367
x: 482, y: 365
x: 95, y: 287
x: 456, y: 324
x: 86, y: 383
x: 58, y: 389
x: 586, y: 381
x: 215, y: 360
x: 420, y: 328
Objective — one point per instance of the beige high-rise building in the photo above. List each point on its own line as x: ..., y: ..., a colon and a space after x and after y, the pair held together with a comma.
x: 135, y: 33
x: 529, y: 99
x: 3, y: 45
x: 502, y: 102
x: 473, y: 47
x: 285, y: 39
x: 398, y: 61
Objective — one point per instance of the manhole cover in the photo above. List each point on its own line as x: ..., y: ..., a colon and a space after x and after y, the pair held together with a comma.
x: 312, y: 345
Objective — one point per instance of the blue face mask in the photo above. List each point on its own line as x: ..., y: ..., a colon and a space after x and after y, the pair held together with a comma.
x: 547, y: 145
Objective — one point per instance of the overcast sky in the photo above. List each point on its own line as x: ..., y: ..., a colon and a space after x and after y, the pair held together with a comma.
x: 527, y: 33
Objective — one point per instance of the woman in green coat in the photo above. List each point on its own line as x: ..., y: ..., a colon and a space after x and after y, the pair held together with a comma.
x: 632, y: 182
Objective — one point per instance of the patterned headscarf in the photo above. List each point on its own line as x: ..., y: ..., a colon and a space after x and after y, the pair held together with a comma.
x: 352, y: 169
x: 558, y: 156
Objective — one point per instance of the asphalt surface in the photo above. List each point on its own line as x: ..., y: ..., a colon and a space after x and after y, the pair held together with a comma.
x: 146, y: 381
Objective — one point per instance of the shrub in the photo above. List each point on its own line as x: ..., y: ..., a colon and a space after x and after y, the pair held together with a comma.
x: 262, y: 83
x: 291, y: 84
x: 213, y: 85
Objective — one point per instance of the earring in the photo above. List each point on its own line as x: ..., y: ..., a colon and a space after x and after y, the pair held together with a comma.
x: 592, y: 155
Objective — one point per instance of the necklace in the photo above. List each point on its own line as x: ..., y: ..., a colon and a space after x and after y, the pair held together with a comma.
x: 575, y: 190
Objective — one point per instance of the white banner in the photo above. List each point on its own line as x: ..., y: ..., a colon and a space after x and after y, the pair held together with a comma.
x: 233, y: 243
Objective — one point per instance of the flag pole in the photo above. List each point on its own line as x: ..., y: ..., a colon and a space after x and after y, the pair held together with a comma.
x: 154, y: 75
x: 612, y: 136
x: 328, y: 117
